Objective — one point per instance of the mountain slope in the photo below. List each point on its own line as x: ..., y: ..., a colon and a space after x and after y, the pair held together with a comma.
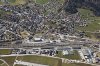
x: 72, y: 5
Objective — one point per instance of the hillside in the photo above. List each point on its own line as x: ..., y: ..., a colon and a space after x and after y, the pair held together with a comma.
x: 72, y: 5
x: 48, y: 16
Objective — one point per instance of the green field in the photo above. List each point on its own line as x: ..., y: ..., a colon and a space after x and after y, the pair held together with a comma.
x: 41, y: 1
x: 17, y: 2
x: 10, y: 60
x: 41, y: 60
x: 75, y: 56
x: 1, y: 62
x: 33, y: 59
x: 19, y: 65
x: 94, y: 24
x: 11, y: 1
x: 5, y: 51
x: 4, y: 64
x: 75, y: 64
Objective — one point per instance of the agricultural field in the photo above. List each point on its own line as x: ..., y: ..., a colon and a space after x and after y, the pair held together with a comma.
x: 5, y: 51
x: 75, y: 64
x: 41, y: 60
x: 19, y: 65
x: 1, y: 62
x: 4, y: 64
x: 33, y: 59
x: 10, y: 60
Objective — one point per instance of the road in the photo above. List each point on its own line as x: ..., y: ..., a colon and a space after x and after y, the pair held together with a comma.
x: 31, y: 45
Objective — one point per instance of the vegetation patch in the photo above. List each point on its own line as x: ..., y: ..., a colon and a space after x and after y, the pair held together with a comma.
x: 11, y: 1
x: 4, y: 64
x: 93, y: 20
x: 1, y: 62
x: 41, y: 60
x: 10, y: 60
x: 19, y: 65
x: 74, y: 56
x: 41, y: 1
x: 75, y: 64
x: 5, y: 51
x: 93, y: 23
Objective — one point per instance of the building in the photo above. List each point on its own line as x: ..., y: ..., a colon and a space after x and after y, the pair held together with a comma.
x: 37, y: 39
x: 65, y: 52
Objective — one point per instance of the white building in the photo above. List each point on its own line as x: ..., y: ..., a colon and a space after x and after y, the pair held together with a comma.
x: 65, y: 52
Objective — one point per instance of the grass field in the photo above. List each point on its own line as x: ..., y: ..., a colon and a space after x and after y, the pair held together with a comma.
x: 17, y: 2
x: 41, y: 1
x: 5, y: 51
x: 75, y: 56
x: 94, y: 24
x: 4, y: 64
x: 75, y: 64
x: 19, y: 65
x: 41, y: 60
x: 34, y: 59
x: 1, y: 62
x: 12, y: 1
x: 10, y: 60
